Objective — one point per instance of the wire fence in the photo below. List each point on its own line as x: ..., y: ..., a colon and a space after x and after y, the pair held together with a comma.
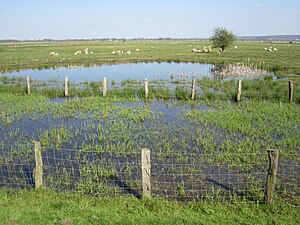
x: 219, y: 177
x: 182, y: 88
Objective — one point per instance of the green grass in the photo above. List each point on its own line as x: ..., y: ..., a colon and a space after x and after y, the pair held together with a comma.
x: 14, y: 56
x: 46, y: 207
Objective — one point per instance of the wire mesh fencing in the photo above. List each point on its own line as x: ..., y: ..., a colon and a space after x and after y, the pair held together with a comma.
x: 219, y: 177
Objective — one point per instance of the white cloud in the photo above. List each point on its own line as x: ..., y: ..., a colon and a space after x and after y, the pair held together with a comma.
x: 257, y: 5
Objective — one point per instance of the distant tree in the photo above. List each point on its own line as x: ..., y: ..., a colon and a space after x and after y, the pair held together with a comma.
x: 222, y: 38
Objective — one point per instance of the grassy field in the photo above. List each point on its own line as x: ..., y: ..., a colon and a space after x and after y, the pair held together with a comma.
x: 15, y: 56
x: 169, y: 122
x: 46, y: 207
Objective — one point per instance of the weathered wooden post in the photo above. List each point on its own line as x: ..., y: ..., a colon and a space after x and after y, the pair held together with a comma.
x: 146, y: 88
x: 66, y: 87
x: 38, y: 171
x: 104, y: 87
x: 28, y: 85
x: 291, y: 90
x: 239, y: 90
x: 273, y: 155
x: 193, y: 88
x: 146, y: 172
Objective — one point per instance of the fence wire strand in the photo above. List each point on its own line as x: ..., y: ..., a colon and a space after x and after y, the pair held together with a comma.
x: 182, y: 176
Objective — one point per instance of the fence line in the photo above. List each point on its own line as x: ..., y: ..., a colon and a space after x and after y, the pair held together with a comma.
x: 192, y: 89
x: 182, y: 176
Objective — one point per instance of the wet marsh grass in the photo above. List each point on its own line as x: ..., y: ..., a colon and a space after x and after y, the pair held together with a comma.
x: 212, y: 129
x: 207, y: 89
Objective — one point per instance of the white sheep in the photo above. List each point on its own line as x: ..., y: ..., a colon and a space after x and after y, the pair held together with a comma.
x: 77, y: 53
x: 137, y: 50
x: 275, y: 49
x: 235, y: 47
x: 86, y: 51
x: 119, y: 52
x: 128, y: 53
x: 53, y: 54
x: 113, y: 53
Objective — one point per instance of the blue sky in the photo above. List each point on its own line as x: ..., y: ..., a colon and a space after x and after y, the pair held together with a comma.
x: 62, y: 19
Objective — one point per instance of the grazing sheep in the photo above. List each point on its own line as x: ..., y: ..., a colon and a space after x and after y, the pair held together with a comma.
x: 119, y: 52
x: 77, y: 53
x: 53, y: 54
x: 220, y: 50
x: 266, y: 49
x: 91, y: 53
x: 269, y: 49
x: 137, y: 50
x: 113, y: 53
x: 275, y: 49
x: 86, y: 51
x: 235, y: 47
x: 128, y: 53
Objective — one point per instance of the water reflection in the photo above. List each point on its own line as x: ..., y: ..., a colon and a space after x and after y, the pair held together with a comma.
x: 119, y: 72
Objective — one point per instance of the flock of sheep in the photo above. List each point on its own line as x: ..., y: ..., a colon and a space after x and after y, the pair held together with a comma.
x: 208, y: 49
x: 119, y: 52
x: 86, y: 51
x: 271, y: 49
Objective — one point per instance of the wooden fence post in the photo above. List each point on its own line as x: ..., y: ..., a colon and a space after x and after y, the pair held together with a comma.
x: 146, y: 88
x: 28, y: 85
x: 193, y: 88
x: 273, y: 155
x: 66, y: 87
x: 38, y: 171
x: 146, y: 172
x: 291, y: 87
x: 239, y: 90
x: 104, y: 90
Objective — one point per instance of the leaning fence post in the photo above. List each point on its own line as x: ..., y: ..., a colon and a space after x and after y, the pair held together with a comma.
x: 193, y: 88
x: 146, y: 172
x: 273, y: 155
x: 291, y: 87
x: 28, y: 85
x: 38, y: 171
x: 239, y: 90
x: 104, y: 88
x: 66, y: 87
x: 146, y: 88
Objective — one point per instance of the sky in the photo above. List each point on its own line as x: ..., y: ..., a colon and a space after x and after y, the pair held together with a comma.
x: 87, y: 19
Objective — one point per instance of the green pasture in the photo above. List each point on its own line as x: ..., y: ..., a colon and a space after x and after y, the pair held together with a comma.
x: 14, y: 56
x: 46, y: 207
